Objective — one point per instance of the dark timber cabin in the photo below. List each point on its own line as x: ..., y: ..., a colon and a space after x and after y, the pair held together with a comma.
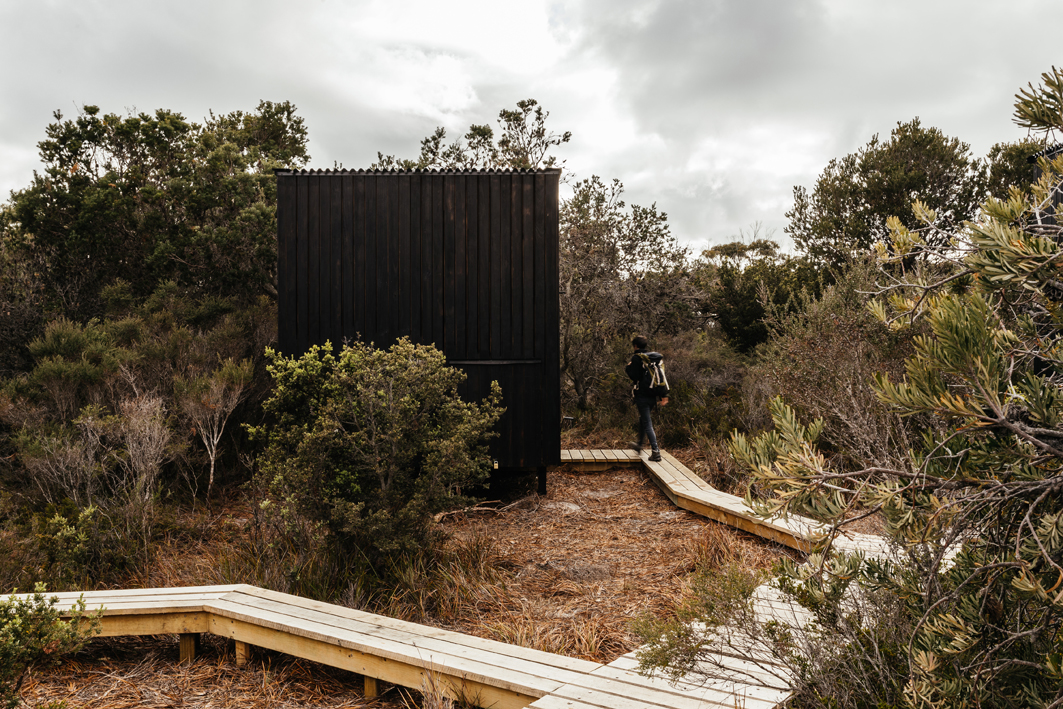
x: 465, y: 260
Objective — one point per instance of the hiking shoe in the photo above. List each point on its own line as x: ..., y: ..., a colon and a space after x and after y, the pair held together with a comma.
x: 656, y: 457
x: 637, y: 447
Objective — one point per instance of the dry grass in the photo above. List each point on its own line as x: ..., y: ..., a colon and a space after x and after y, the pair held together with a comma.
x: 597, y: 551
x: 122, y: 673
x: 564, y: 573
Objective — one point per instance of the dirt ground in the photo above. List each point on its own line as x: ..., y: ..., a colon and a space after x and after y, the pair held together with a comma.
x: 573, y: 568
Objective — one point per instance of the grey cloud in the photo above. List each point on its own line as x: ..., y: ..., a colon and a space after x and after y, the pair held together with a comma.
x: 747, y: 78
x: 691, y: 71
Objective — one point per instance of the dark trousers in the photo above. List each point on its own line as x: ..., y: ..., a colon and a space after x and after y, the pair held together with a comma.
x: 645, y: 407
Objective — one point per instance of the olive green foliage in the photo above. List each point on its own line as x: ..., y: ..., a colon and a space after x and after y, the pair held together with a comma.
x: 153, y: 197
x: 741, y: 278
x: 850, y: 653
x: 32, y: 634
x: 822, y: 352
x: 677, y: 646
x: 100, y: 429
x: 1008, y: 165
x: 846, y: 211
x: 523, y: 144
x: 362, y: 448
x: 975, y: 507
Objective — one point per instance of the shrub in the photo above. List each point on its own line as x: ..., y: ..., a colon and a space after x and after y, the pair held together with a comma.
x: 850, y: 651
x: 361, y: 449
x: 32, y: 634
x: 974, y: 506
x: 821, y: 357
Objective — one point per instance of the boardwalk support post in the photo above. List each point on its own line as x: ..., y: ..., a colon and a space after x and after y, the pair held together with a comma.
x: 189, y: 643
x: 542, y: 479
x: 243, y: 652
x: 372, y: 690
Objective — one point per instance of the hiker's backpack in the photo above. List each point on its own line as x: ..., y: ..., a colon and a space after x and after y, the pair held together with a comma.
x: 653, y: 379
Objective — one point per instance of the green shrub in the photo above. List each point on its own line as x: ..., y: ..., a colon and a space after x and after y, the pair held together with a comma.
x: 973, y: 507
x: 363, y: 448
x: 850, y: 653
x: 32, y: 633
x: 822, y: 356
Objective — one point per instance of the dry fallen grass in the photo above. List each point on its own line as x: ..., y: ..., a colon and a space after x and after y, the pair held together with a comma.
x: 568, y: 572
x: 598, y: 550
x: 122, y: 673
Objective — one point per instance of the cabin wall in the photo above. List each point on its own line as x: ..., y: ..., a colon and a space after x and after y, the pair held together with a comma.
x: 467, y: 261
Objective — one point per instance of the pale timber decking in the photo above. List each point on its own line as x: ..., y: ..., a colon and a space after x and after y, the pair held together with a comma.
x: 485, y: 672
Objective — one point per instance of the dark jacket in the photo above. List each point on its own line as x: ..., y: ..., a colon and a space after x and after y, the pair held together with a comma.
x: 641, y: 376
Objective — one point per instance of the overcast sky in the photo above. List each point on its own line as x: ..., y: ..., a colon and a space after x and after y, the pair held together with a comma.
x: 713, y: 109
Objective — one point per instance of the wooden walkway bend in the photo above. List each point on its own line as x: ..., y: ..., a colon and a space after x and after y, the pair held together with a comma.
x: 483, y: 672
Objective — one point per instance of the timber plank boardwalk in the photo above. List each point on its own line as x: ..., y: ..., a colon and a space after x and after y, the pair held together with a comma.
x: 481, y: 671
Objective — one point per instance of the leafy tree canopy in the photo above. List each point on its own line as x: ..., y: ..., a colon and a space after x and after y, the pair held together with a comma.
x: 1008, y: 165
x: 740, y: 278
x: 846, y: 211
x: 524, y: 143
x: 622, y: 272
x: 154, y: 197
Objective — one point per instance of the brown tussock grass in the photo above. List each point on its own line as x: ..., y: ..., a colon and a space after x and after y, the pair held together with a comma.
x: 599, y: 550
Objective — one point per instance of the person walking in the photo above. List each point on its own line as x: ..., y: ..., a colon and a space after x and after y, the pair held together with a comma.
x: 646, y: 370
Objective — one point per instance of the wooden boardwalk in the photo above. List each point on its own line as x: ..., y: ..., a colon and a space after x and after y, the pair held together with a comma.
x: 483, y: 672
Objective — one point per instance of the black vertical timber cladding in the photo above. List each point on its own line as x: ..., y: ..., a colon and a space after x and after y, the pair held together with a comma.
x: 287, y: 264
x: 505, y: 287
x: 324, y: 276
x: 472, y: 271
x: 439, y: 276
x: 313, y: 260
x: 458, y: 321
x: 369, y: 234
x: 483, y: 259
x: 358, y: 234
x: 551, y: 411
x: 336, y: 265
x: 466, y: 261
x: 494, y: 237
x: 348, y: 299
x: 516, y: 267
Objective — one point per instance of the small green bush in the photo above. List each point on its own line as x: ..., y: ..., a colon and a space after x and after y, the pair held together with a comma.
x: 363, y: 448
x: 33, y: 634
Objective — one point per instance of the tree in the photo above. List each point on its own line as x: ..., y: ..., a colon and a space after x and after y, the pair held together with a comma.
x: 524, y: 144
x: 154, y: 197
x: 975, y: 509
x: 1009, y: 165
x: 845, y: 214
x: 621, y: 271
x: 209, y: 400
x: 368, y: 446
x: 740, y: 278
